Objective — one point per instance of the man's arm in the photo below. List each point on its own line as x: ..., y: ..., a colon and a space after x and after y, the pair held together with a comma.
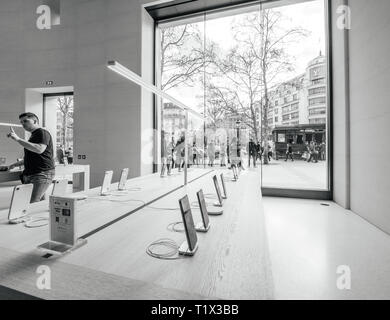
x: 33, y: 147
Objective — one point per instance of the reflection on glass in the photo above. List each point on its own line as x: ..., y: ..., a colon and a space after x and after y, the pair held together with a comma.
x: 195, y: 145
x: 172, y: 138
x: 180, y: 67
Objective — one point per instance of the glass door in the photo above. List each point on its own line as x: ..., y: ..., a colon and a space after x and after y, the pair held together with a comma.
x: 58, y: 119
x: 295, y: 104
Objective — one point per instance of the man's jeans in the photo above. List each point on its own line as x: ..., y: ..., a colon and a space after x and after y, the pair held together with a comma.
x: 41, y: 182
x: 253, y: 156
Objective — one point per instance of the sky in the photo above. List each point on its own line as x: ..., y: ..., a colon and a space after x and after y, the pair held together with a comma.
x: 307, y: 15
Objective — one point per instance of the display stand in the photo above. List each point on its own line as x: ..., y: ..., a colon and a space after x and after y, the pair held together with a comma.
x: 59, y: 248
x: 63, y: 234
x: 184, y: 249
x: 201, y: 228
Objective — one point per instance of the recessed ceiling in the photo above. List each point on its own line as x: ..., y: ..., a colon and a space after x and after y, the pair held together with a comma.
x: 177, y: 8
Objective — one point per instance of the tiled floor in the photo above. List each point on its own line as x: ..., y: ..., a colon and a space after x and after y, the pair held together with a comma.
x: 308, y: 242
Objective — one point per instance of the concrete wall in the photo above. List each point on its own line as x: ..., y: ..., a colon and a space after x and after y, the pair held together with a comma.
x: 340, y: 109
x: 369, y: 115
x: 147, y: 99
x: 109, y: 116
x: 370, y: 111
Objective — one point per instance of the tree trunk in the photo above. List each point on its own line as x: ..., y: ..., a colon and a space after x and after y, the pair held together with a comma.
x: 64, y: 130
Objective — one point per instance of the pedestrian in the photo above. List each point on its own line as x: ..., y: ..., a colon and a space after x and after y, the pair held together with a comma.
x: 252, y: 153
x: 313, y: 153
x: 170, y: 157
x: 70, y: 155
x: 211, y: 153
x: 164, y: 154
x: 60, y: 154
x: 194, y: 154
x: 322, y: 151
x: 223, y: 155
x: 179, y: 152
x: 289, y: 152
x: 269, y: 154
x: 233, y: 153
x: 258, y: 151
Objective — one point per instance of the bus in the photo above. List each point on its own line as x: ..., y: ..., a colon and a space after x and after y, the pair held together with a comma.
x: 297, y: 136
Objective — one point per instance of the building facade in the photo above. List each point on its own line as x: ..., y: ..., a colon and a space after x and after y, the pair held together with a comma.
x: 173, y: 119
x: 301, y: 100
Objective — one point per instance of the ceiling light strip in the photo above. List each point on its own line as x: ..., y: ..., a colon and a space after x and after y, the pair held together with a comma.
x: 10, y: 125
x: 130, y: 75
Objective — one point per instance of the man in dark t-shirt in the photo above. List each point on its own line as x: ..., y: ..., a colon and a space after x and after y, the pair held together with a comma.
x: 252, y: 153
x: 39, y: 167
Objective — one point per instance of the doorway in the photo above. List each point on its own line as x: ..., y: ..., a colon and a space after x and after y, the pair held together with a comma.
x: 58, y: 110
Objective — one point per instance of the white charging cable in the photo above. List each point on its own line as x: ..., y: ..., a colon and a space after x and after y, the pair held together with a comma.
x: 36, y: 223
x: 171, y: 252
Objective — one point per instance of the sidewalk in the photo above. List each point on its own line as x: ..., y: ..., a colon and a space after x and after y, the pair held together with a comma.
x: 294, y: 175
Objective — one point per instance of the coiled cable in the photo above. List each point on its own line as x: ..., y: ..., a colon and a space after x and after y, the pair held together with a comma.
x: 171, y: 252
x: 38, y: 222
x: 172, y: 226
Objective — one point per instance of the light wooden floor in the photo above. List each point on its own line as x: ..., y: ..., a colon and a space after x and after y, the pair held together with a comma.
x: 70, y: 282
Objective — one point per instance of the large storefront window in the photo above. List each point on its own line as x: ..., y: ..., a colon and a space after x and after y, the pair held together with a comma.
x: 258, y: 75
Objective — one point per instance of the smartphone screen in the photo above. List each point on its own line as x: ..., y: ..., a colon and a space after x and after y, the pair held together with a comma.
x: 217, y: 189
x: 203, y: 209
x: 123, y: 179
x: 107, y: 182
x: 188, y: 221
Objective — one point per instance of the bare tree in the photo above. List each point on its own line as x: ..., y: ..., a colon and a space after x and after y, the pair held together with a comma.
x: 241, y: 87
x: 253, y: 66
x: 183, y: 55
x: 216, y: 109
x: 65, y: 105
x: 274, y: 58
